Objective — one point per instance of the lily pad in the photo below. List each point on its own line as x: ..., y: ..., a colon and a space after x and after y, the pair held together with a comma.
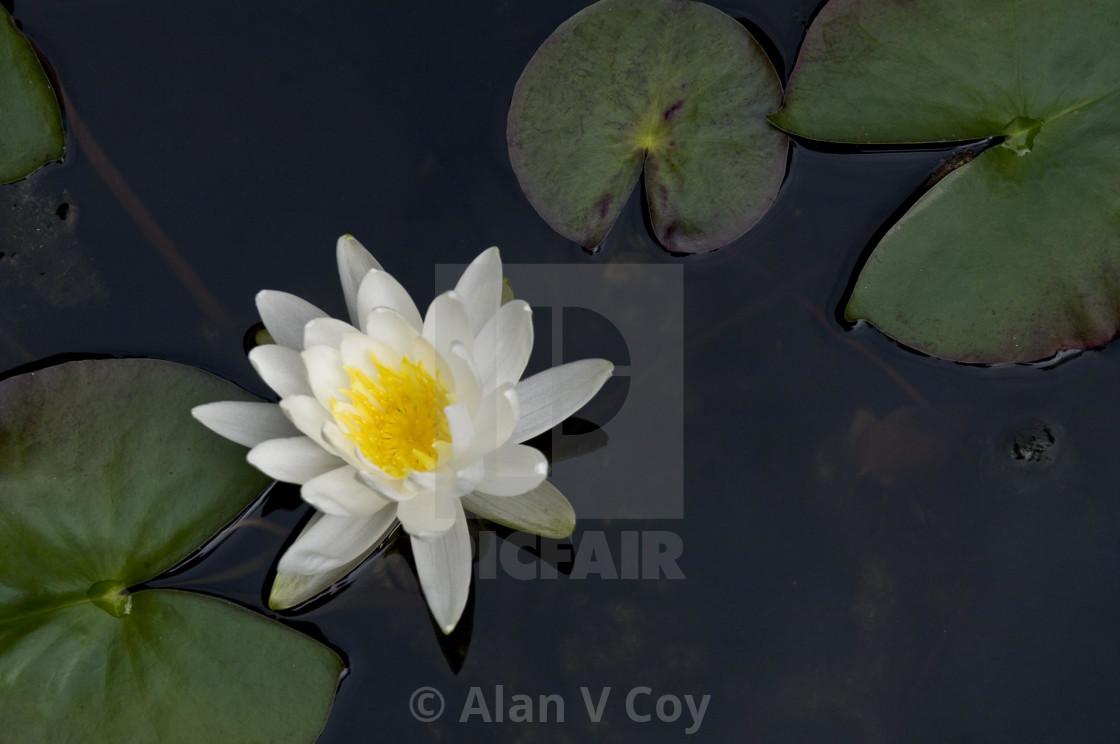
x: 30, y: 120
x: 1015, y: 255
x: 105, y: 482
x: 673, y: 86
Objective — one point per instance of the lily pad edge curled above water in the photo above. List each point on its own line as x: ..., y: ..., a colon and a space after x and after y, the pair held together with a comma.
x: 672, y: 88
x: 1014, y: 256
x: 105, y: 482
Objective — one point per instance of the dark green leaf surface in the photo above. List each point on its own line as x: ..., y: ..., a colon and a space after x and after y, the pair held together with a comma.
x: 1016, y: 255
x: 106, y: 481
x: 674, y: 86
x: 30, y: 121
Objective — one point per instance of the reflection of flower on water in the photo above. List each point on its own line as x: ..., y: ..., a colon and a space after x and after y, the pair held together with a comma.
x: 399, y: 420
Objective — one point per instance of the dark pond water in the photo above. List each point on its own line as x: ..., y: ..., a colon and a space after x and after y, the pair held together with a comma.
x: 877, y: 546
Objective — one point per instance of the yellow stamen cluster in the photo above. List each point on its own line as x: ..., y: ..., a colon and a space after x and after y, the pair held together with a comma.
x: 396, y: 419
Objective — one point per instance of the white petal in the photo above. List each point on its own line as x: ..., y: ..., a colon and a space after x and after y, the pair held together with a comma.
x: 392, y: 489
x: 549, y: 397
x: 423, y: 352
x: 495, y: 421
x: 380, y: 289
x: 512, y: 470
x: 446, y: 323
x: 354, y: 262
x: 464, y: 376
x: 543, y: 511
x: 281, y: 368
x: 461, y: 426
x: 480, y: 288
x: 341, y: 445
x: 502, y: 349
x: 285, y: 315
x: 308, y: 415
x: 292, y: 460
x: 340, y: 494
x: 289, y: 590
x: 387, y: 326
x: 468, y: 478
x: 325, y: 372
x: 426, y: 482
x: 428, y: 514
x: 444, y: 568
x: 248, y: 424
x: 325, y: 332
x: 328, y: 542
x: 357, y: 349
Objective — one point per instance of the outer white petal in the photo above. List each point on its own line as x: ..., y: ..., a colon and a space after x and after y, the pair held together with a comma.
x: 380, y: 289
x: 354, y: 262
x: 446, y: 323
x: 285, y: 315
x: 325, y: 373
x: 339, y: 493
x: 281, y: 368
x: 428, y: 514
x: 543, y: 511
x: 549, y: 397
x: 328, y: 542
x: 444, y: 567
x: 292, y: 460
x: 325, y: 332
x: 309, y: 416
x: 247, y: 423
x: 502, y: 348
x: 512, y: 470
x: 480, y: 288
x: 289, y: 590
x: 495, y: 421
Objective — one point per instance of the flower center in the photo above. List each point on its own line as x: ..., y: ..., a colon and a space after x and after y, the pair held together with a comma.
x: 396, y: 420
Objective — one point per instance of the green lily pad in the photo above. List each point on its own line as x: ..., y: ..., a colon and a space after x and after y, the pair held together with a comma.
x: 105, y: 482
x: 30, y: 120
x: 1015, y: 255
x: 674, y: 86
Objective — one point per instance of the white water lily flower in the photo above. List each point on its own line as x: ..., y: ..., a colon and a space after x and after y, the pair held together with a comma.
x: 397, y: 418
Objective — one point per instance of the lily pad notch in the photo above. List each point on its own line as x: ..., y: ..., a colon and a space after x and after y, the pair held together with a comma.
x: 1015, y: 255
x: 672, y: 88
